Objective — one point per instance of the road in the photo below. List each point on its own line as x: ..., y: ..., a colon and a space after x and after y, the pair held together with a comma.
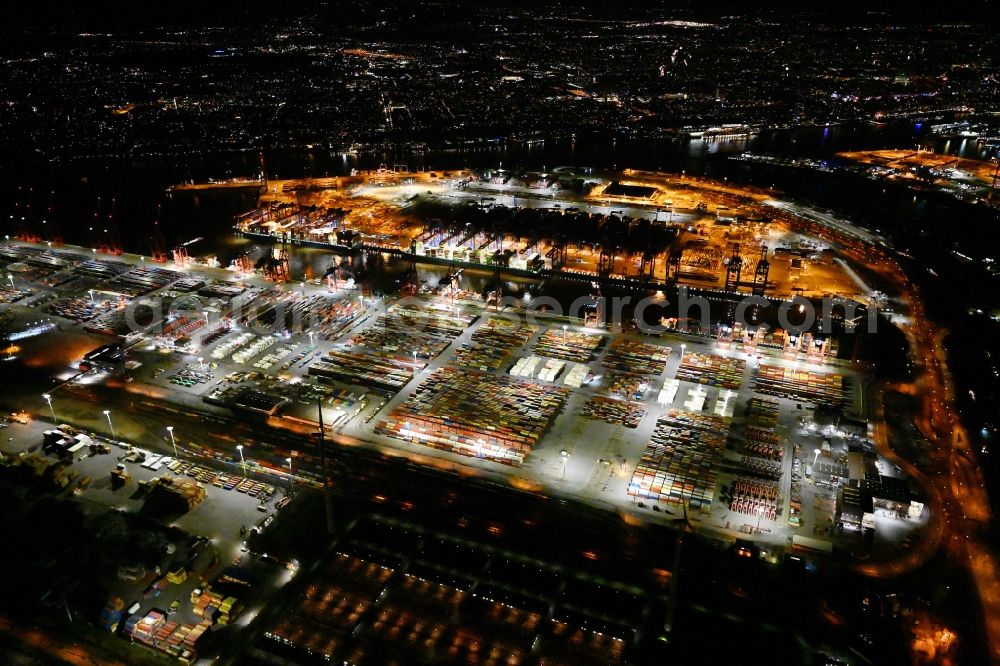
x: 953, y: 481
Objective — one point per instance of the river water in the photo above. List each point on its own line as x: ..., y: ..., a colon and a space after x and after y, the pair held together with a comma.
x: 78, y: 194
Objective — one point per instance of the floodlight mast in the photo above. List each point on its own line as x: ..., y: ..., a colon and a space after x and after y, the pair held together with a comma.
x: 327, y: 497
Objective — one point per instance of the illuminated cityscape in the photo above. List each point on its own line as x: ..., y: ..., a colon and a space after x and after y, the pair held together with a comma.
x: 478, y: 333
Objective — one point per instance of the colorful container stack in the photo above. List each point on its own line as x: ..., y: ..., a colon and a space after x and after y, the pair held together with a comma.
x: 475, y: 414
x: 763, y: 411
x: 145, y: 628
x: 405, y: 329
x: 824, y: 389
x: 504, y: 332
x: 626, y: 387
x: 712, y: 370
x: 763, y: 449
x: 681, y: 461
x: 616, y: 412
x: 492, y: 343
x: 182, y: 327
x: 638, y: 358
x: 112, y: 613
x: 76, y: 309
x: 366, y: 367
x: 190, y: 640
x: 217, y: 332
x: 568, y: 345
x: 214, y: 607
x: 173, y: 638
x: 329, y: 314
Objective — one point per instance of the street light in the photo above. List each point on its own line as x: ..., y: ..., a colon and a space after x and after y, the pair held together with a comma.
x: 201, y: 363
x: 48, y: 399
x: 683, y: 347
x: 107, y: 413
x: 565, y: 458
x: 311, y: 338
x: 291, y: 477
x: 815, y: 460
x: 173, y: 441
x: 243, y: 461
x: 564, y: 331
x: 10, y: 276
x: 414, y: 359
x: 91, y: 292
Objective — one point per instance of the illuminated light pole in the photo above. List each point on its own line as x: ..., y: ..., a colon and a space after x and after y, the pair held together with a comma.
x: 564, y: 454
x: 815, y: 460
x: 91, y: 292
x: 243, y: 461
x: 173, y: 441
x: 201, y: 363
x: 311, y: 342
x: 683, y: 347
x: 10, y: 276
x: 414, y: 359
x: 327, y: 495
x: 48, y: 399
x: 111, y: 425
x: 291, y: 476
x: 565, y: 327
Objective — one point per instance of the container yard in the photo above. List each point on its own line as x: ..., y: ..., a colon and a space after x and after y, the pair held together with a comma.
x: 586, y: 410
x: 486, y: 416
